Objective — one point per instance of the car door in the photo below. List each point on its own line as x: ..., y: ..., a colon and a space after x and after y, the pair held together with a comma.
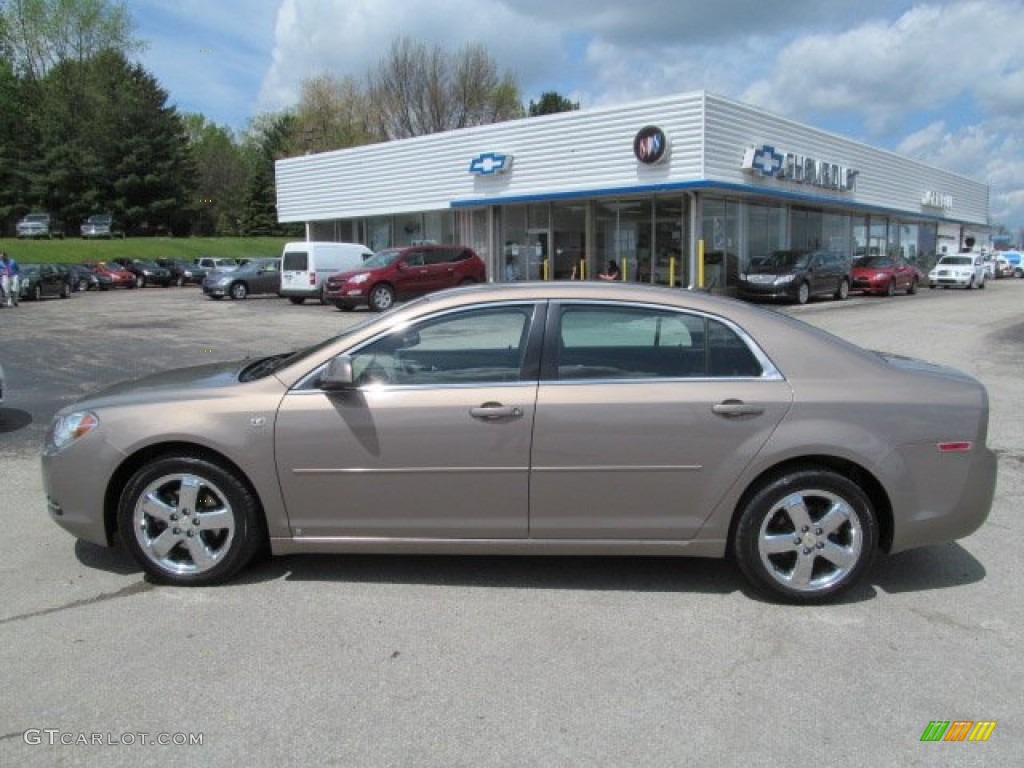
x: 268, y: 277
x: 410, y: 274
x: 433, y: 441
x: 645, y: 418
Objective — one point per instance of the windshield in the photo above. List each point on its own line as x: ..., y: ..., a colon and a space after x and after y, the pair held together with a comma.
x: 873, y: 261
x: 37, y: 217
x: 957, y: 260
x: 98, y: 218
x: 788, y: 260
x: 265, y: 366
x: 382, y: 259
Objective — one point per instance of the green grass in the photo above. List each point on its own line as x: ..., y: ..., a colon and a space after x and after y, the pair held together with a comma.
x: 73, y: 250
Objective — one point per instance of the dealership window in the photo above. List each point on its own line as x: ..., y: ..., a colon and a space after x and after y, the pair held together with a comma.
x: 720, y: 230
x: 766, y: 231
x: 378, y: 233
x: 569, y: 222
x: 623, y: 235
x: 408, y: 229
x: 836, y: 234
x: 669, y: 266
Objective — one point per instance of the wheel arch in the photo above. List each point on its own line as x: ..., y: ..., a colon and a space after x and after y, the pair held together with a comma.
x: 120, y: 477
x: 854, y: 472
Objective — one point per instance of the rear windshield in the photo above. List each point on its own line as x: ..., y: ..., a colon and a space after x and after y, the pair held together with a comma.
x: 295, y: 261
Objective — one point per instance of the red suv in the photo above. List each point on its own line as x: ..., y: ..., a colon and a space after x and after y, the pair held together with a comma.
x: 402, y: 273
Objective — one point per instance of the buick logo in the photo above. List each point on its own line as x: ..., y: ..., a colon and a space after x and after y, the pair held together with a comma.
x: 650, y: 145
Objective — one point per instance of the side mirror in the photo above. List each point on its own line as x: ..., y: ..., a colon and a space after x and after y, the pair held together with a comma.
x: 337, y: 376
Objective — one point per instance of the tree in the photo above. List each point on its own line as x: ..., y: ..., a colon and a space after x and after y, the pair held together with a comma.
x: 551, y: 102
x: 418, y: 90
x: 40, y: 34
x: 222, y: 178
x: 332, y: 113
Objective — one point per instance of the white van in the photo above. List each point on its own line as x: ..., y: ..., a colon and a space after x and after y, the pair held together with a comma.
x: 305, y: 267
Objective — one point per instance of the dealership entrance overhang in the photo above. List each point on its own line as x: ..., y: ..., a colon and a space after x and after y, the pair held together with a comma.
x: 681, y: 190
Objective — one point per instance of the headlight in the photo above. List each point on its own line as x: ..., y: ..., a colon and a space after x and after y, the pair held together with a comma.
x: 743, y: 276
x: 67, y: 429
x: 783, y: 279
x: 357, y: 279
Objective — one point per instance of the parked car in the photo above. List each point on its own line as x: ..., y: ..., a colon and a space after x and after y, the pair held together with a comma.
x: 83, y: 278
x: 883, y: 275
x: 796, y: 276
x: 961, y: 270
x: 255, y: 276
x: 306, y: 266
x: 210, y: 263
x: 183, y: 272
x: 40, y: 280
x: 112, y: 275
x: 101, y: 226
x: 1002, y: 268
x: 147, y: 273
x: 40, y: 225
x: 402, y: 273
x: 1013, y: 258
x: 575, y: 418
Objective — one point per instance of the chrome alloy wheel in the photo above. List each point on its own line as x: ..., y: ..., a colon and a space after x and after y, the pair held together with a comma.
x: 183, y: 524
x: 810, y: 540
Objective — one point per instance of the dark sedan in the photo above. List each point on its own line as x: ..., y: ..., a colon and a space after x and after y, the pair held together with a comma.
x: 148, y: 273
x: 183, y: 272
x: 796, y: 276
x: 40, y: 280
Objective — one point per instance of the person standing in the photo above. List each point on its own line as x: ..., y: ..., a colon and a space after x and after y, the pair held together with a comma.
x: 10, y: 279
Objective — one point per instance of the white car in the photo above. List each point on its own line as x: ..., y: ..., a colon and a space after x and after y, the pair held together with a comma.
x: 961, y: 270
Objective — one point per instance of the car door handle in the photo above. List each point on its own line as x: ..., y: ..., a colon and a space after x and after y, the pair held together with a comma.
x: 495, y: 412
x: 734, y: 409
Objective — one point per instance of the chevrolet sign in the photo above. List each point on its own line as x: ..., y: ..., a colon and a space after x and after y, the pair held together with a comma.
x: 490, y: 163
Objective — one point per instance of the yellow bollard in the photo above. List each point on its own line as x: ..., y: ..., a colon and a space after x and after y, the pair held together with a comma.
x: 672, y: 272
x: 545, y: 268
x: 700, y: 263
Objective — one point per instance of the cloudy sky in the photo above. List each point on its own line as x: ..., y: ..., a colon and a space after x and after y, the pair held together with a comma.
x: 939, y: 80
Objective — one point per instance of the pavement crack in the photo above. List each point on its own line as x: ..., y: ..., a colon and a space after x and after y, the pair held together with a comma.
x: 132, y: 589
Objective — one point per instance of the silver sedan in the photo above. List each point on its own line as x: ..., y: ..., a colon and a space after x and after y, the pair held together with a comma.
x: 546, y: 418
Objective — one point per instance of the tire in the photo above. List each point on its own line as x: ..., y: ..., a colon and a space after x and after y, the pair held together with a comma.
x: 296, y: 299
x: 890, y: 289
x: 806, y: 537
x: 912, y: 289
x: 189, y: 539
x: 381, y: 297
x: 37, y: 292
x: 981, y: 285
x: 238, y: 291
x: 843, y: 291
x: 803, y: 293
x: 140, y: 281
x: 65, y: 291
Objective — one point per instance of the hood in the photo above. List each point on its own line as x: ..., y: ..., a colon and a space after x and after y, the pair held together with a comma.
x: 168, y: 386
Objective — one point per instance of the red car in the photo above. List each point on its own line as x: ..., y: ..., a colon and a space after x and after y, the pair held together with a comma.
x: 883, y: 275
x: 112, y: 275
x: 402, y: 273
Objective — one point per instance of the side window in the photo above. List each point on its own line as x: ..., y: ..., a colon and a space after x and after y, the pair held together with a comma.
x: 480, y: 346
x: 413, y: 259
x: 629, y: 343
x: 439, y: 256
x: 728, y: 355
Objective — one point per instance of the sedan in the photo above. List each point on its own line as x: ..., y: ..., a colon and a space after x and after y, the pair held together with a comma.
x: 252, y: 277
x: 183, y: 272
x: 531, y: 418
x: 112, y: 275
x: 39, y: 280
x: 883, y: 275
x: 148, y: 273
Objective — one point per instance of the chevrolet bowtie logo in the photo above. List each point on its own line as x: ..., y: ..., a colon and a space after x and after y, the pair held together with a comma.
x: 489, y: 163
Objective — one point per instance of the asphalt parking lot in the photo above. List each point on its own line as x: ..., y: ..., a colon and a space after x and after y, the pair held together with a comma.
x: 445, y: 661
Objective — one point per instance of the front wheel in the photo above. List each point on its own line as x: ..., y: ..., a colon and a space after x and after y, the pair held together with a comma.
x: 188, y: 521
x: 806, y: 536
x: 381, y: 298
x: 803, y: 293
x: 239, y: 291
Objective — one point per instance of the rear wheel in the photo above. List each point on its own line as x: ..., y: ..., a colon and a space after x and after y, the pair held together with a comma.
x: 806, y: 536
x: 188, y: 521
x: 381, y: 298
x: 843, y: 291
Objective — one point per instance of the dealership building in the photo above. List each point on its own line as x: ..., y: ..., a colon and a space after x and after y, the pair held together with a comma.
x: 676, y: 190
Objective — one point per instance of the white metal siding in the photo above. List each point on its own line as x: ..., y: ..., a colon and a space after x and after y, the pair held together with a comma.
x: 886, y: 180
x: 591, y: 152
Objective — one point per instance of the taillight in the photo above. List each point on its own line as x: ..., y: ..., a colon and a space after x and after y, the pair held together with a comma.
x: 312, y: 278
x: 959, y: 447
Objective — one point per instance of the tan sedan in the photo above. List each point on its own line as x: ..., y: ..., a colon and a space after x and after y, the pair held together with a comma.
x: 554, y: 419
